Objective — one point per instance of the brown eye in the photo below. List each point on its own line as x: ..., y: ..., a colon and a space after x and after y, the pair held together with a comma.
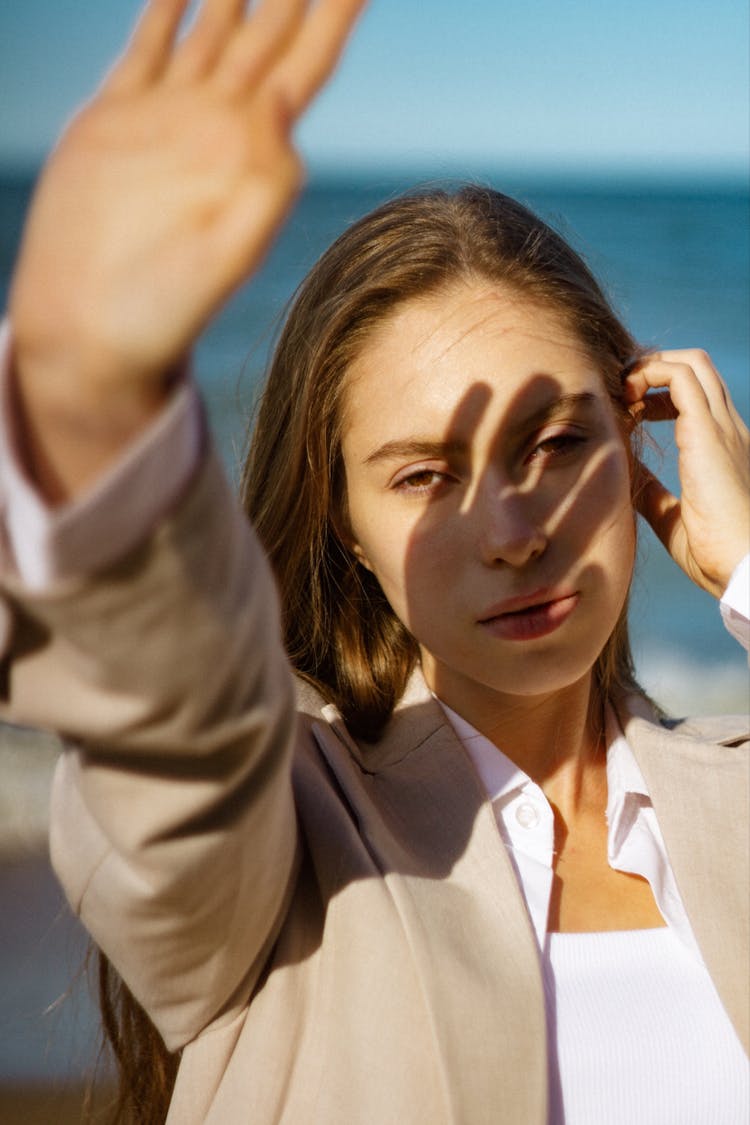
x: 557, y: 445
x: 421, y: 481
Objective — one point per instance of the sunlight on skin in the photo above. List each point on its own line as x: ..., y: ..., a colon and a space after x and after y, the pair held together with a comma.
x: 508, y: 552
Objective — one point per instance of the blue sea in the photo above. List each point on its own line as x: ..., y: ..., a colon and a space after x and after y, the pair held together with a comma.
x: 676, y: 261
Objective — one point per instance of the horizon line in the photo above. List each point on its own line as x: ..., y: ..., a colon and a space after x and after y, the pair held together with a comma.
x: 604, y: 174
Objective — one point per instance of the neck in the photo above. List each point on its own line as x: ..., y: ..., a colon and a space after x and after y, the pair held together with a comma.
x: 556, y: 738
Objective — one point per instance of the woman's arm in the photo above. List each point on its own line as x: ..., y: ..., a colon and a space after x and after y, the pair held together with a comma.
x: 173, y: 821
x: 173, y: 826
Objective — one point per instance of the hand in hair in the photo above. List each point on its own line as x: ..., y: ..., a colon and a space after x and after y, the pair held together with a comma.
x: 161, y: 198
x: 707, y: 529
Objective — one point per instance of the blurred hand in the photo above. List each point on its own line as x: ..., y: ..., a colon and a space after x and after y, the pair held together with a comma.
x: 707, y: 529
x: 161, y: 198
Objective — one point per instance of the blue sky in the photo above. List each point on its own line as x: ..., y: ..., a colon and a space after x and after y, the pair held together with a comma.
x: 580, y: 87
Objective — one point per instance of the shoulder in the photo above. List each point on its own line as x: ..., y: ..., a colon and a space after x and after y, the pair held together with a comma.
x: 723, y: 730
x: 643, y: 723
x: 696, y: 771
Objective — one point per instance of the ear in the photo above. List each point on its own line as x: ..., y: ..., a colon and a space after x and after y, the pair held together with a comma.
x: 360, y: 555
x: 631, y: 433
x: 343, y: 532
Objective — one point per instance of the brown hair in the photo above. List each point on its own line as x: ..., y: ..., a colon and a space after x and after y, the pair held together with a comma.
x: 339, y: 630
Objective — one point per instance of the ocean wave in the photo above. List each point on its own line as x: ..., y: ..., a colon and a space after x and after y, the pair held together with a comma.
x: 684, y: 685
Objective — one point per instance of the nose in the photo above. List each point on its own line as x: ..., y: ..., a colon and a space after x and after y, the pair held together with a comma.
x: 511, y: 531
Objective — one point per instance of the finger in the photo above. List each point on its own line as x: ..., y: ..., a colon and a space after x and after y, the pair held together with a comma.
x: 700, y: 362
x: 654, y: 407
x: 258, y: 45
x: 686, y: 365
x: 204, y: 44
x: 150, y: 46
x: 314, y: 53
x: 685, y: 390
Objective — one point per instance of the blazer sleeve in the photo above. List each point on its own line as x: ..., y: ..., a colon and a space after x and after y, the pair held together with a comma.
x: 173, y: 826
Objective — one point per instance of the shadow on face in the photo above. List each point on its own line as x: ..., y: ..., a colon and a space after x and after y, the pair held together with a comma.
x: 489, y: 491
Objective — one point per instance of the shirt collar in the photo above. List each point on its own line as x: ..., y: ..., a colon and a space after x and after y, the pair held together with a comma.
x: 626, y: 787
x: 634, y: 841
x: 501, y: 777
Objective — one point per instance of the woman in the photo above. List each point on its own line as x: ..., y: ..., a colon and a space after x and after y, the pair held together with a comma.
x: 398, y: 897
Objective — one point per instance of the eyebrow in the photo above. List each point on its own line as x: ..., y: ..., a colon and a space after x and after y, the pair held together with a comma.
x: 415, y: 447
x: 430, y: 449
x: 551, y: 409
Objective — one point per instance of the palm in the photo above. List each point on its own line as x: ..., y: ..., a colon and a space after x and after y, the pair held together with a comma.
x: 169, y: 206
x: 170, y: 185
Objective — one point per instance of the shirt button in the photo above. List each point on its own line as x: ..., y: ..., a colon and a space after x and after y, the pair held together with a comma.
x: 527, y: 815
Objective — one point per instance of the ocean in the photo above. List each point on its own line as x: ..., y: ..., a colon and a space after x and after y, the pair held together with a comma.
x: 676, y: 261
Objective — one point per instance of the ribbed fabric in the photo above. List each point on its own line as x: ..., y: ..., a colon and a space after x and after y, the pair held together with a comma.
x: 638, y: 1035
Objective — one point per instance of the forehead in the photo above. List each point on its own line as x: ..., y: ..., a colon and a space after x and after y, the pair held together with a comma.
x: 430, y: 354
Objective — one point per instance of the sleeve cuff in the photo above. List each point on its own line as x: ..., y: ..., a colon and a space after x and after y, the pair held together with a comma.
x: 735, y: 604
x: 121, y: 508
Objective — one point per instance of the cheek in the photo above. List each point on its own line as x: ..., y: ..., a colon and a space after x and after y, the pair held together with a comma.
x: 378, y: 541
x: 410, y: 559
x: 604, y: 499
x: 622, y: 486
x: 617, y: 519
x: 594, y: 535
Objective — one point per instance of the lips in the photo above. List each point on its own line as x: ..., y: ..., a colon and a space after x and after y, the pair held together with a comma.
x: 530, y: 616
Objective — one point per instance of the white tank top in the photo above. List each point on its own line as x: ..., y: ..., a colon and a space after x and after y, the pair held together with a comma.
x: 637, y: 1034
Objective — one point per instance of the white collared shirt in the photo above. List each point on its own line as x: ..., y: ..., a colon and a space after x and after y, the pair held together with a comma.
x: 636, y: 1031
x: 526, y: 823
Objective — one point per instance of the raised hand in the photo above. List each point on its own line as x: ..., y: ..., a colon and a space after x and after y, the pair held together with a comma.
x: 160, y: 199
x: 706, y: 529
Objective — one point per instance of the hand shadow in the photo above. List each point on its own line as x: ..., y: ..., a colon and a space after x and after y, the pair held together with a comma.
x: 564, y: 515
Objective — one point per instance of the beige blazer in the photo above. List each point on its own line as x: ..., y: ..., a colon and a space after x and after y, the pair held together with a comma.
x: 331, y: 932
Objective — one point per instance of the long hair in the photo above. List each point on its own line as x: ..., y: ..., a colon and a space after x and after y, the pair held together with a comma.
x: 340, y: 632
x: 145, y: 1069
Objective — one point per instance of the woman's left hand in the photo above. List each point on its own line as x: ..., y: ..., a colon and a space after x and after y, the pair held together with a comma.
x: 707, y: 529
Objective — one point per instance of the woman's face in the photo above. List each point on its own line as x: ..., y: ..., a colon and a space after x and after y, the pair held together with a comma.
x: 488, y: 491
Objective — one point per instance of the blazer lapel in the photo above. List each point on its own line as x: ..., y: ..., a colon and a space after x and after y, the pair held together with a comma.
x: 425, y: 816
x: 700, y: 791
